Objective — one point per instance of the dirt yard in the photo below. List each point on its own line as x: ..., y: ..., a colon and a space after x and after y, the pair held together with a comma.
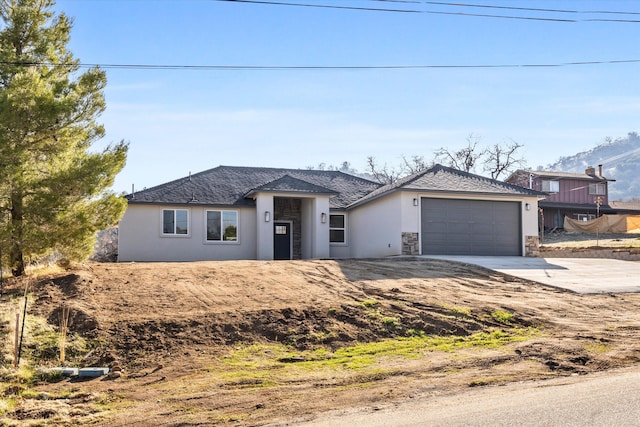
x: 257, y: 343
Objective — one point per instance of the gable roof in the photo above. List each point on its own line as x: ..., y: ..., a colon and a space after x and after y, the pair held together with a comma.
x: 235, y: 186
x: 289, y: 184
x: 442, y: 179
x: 231, y: 186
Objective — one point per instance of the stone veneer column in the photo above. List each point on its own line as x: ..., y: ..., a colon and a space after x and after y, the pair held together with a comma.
x: 532, y: 246
x: 410, y: 244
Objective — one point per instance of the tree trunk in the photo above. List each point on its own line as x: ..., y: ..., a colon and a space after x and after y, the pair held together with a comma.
x: 16, y: 257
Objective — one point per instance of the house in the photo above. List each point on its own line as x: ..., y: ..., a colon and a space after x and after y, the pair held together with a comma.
x: 579, y: 196
x: 231, y: 213
x: 625, y: 208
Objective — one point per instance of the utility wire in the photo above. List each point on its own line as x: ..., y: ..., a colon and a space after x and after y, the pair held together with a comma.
x: 437, y: 12
x: 312, y: 67
x: 523, y: 8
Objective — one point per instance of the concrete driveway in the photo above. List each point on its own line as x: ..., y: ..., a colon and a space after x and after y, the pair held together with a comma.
x: 582, y: 275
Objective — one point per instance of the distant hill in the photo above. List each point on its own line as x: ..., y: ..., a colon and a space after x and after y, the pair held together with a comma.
x: 620, y: 160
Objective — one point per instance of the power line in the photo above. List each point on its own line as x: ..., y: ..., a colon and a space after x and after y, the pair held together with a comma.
x: 315, y: 67
x: 485, y: 6
x: 455, y: 13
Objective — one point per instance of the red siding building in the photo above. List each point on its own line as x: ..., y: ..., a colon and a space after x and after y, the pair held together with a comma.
x: 581, y: 196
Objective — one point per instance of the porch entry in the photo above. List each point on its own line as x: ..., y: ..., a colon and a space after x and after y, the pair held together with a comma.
x: 282, y: 240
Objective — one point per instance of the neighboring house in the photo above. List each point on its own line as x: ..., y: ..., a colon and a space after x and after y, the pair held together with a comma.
x: 580, y: 196
x: 625, y: 208
x: 230, y: 213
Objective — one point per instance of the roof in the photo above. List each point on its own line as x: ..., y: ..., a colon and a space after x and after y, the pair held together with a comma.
x: 236, y: 185
x: 585, y: 207
x: 625, y: 206
x: 289, y: 184
x: 442, y: 179
x: 561, y: 175
x: 232, y: 186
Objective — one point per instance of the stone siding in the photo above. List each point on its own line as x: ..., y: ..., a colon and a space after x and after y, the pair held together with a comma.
x: 410, y: 244
x: 532, y: 246
x: 290, y: 210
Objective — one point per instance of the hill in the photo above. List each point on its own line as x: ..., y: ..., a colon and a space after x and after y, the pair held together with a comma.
x: 255, y: 343
x: 620, y: 159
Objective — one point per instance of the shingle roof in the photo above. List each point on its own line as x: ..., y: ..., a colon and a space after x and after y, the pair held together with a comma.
x: 289, y: 184
x: 442, y: 179
x: 233, y: 186
x: 229, y: 186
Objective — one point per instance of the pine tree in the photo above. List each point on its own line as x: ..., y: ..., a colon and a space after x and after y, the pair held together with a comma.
x: 53, y: 186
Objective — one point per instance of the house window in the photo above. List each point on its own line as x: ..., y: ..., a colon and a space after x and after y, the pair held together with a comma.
x: 598, y: 189
x: 550, y: 186
x: 222, y: 226
x: 175, y: 222
x: 584, y: 217
x: 337, y: 228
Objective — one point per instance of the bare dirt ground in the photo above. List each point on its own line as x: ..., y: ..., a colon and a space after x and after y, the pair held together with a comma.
x: 250, y: 343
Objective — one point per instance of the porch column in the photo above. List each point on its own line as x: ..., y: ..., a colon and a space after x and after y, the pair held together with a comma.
x: 320, y: 242
x: 264, y: 226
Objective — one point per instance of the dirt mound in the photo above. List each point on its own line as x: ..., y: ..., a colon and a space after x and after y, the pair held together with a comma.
x: 227, y: 342
x: 359, y: 314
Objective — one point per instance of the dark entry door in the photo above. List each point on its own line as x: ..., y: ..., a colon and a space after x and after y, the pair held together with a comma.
x: 282, y: 240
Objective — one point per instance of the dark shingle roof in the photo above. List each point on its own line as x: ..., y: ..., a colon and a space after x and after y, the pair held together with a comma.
x: 289, y: 184
x: 442, y: 179
x: 229, y: 186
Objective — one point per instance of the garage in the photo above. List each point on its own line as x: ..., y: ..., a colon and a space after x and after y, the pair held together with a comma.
x: 470, y: 227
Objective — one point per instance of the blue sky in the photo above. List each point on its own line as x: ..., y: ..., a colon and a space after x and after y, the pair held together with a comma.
x: 178, y: 121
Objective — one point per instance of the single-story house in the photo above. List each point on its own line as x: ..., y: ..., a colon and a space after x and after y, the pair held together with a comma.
x: 233, y: 213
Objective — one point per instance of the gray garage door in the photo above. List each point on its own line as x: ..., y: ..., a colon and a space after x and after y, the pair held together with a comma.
x: 470, y: 227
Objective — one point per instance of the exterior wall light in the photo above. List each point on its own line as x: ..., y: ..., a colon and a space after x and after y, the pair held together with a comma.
x: 323, y: 217
x: 527, y: 206
x: 267, y: 216
x: 415, y: 201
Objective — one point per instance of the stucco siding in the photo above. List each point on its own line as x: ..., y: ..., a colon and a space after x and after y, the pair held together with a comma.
x: 141, y: 238
x: 374, y: 228
x: 530, y: 216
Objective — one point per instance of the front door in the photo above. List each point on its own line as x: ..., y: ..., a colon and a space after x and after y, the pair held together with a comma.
x: 282, y: 240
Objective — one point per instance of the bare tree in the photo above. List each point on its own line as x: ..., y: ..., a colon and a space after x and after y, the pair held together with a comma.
x: 464, y: 159
x: 497, y: 160
x: 502, y: 159
x: 345, y: 167
x: 414, y: 164
x: 388, y: 175
x: 383, y: 174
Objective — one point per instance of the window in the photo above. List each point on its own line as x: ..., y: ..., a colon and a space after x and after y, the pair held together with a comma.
x: 598, y: 189
x: 550, y: 186
x: 222, y: 226
x: 337, y: 229
x: 175, y: 222
x: 584, y: 217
